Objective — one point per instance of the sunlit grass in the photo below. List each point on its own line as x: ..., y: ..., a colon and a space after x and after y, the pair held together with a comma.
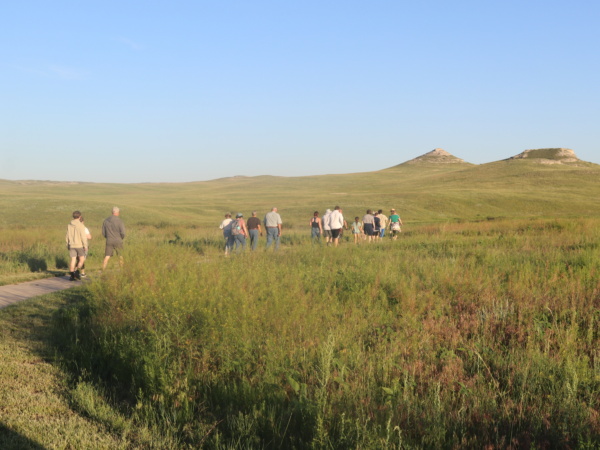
x: 468, y: 334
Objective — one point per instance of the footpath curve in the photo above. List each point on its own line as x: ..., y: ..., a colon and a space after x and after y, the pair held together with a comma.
x: 14, y: 293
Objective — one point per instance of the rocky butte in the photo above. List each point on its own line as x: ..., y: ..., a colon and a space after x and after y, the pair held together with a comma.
x: 437, y: 156
x: 549, y: 156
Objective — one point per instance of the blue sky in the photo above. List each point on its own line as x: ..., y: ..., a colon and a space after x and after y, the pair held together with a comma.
x: 149, y: 91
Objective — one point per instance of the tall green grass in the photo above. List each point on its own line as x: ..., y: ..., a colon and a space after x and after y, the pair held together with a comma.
x: 456, y: 335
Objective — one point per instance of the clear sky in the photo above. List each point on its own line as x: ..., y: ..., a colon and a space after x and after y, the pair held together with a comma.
x: 169, y: 91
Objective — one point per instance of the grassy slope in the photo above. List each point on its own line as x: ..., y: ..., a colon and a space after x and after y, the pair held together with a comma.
x: 422, y: 193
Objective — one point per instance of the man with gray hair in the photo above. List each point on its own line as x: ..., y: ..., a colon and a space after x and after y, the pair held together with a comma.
x: 273, y: 225
x: 253, y: 224
x: 113, y: 229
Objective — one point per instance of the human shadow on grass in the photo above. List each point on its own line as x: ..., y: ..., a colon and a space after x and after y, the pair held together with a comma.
x: 10, y: 439
x: 36, y: 324
x: 34, y: 263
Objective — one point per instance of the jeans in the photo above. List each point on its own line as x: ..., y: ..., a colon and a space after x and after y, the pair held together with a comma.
x: 315, y: 234
x: 253, y: 238
x: 382, y: 232
x: 229, y: 240
x: 273, y: 235
x: 240, y: 239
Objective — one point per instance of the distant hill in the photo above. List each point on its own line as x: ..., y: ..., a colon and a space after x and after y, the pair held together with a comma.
x: 549, y: 156
x: 436, y: 186
x: 437, y: 156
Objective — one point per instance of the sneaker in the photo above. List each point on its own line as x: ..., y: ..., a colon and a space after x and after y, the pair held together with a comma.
x: 72, y: 277
x: 77, y: 275
x: 83, y: 275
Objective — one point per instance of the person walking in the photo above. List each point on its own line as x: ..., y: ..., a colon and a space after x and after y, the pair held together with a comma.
x: 226, y: 227
x: 337, y: 224
x: 273, y: 225
x: 88, y: 235
x: 395, y: 224
x: 357, y: 230
x: 254, y: 230
x: 383, y: 219
x: 113, y: 230
x: 369, y: 224
x: 239, y: 231
x: 376, y: 226
x: 326, y: 224
x: 77, y: 245
x: 316, y: 228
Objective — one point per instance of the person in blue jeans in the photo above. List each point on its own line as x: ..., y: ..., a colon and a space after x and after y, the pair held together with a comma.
x: 226, y: 227
x: 316, y: 227
x: 254, y: 230
x: 273, y: 225
x: 239, y: 231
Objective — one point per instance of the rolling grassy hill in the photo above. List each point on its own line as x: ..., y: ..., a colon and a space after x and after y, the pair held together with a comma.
x: 476, y: 334
x: 424, y: 192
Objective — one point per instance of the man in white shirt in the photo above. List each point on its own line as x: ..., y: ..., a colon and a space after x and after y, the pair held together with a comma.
x: 336, y: 221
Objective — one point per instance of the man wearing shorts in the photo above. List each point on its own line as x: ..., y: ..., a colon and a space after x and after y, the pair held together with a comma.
x: 369, y: 225
x: 77, y: 244
x: 336, y: 222
x: 113, y: 229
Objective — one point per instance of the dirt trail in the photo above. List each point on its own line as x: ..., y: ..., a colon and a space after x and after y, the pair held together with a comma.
x: 14, y: 293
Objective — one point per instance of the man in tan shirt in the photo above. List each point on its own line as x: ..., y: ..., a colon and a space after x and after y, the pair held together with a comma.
x: 77, y: 244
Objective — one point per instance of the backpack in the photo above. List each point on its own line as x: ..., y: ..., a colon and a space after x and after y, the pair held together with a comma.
x: 235, y: 228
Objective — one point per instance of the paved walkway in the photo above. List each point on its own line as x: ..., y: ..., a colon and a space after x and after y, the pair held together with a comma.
x: 14, y: 293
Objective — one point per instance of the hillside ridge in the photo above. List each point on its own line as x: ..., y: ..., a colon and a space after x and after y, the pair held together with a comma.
x: 437, y: 156
x: 548, y: 156
x: 438, y: 159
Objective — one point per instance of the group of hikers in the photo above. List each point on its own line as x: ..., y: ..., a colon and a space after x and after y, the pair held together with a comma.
x: 331, y: 226
x: 371, y: 228
x: 236, y: 231
x: 78, y: 237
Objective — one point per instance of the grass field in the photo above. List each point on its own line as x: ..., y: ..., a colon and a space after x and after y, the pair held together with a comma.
x: 479, y: 327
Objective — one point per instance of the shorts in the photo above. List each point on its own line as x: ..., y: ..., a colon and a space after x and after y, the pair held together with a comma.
x: 76, y: 252
x: 368, y: 227
x: 112, y: 247
x: 327, y: 233
x: 335, y: 234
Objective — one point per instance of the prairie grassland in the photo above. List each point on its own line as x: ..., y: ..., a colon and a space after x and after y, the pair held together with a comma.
x: 36, y: 213
x: 479, y: 327
x: 456, y: 335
